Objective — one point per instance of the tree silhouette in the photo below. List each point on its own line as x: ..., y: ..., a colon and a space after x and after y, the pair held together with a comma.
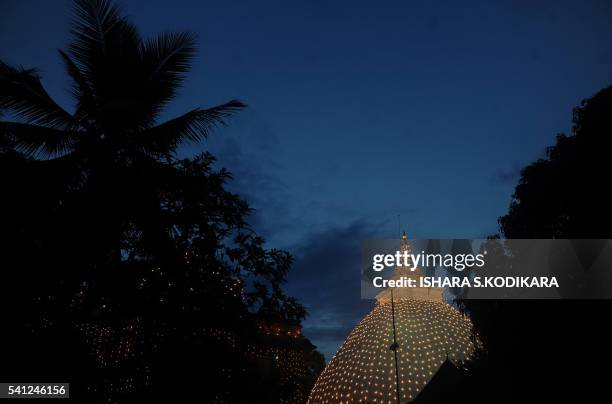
x: 538, y: 351
x: 120, y: 85
x: 123, y: 264
x: 562, y: 195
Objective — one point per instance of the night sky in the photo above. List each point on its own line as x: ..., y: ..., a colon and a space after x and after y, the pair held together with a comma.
x: 363, y: 111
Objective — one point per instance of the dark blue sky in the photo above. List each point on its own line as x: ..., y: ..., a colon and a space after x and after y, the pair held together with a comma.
x: 360, y: 111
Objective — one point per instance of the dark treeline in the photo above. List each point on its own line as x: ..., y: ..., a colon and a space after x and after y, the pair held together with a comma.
x: 126, y: 271
x: 550, y: 350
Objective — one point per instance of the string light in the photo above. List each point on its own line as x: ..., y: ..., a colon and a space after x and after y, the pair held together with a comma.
x: 428, y: 332
x: 363, y: 370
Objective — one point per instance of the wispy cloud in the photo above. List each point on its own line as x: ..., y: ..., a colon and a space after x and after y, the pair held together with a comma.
x: 326, y: 279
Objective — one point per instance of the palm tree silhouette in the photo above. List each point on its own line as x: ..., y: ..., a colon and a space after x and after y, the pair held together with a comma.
x: 120, y: 83
x: 87, y: 222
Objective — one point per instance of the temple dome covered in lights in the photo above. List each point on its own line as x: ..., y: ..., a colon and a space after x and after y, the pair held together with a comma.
x: 428, y: 332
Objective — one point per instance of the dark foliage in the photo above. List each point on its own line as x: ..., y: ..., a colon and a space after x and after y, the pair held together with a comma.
x: 555, y: 350
x: 564, y: 195
x: 126, y: 271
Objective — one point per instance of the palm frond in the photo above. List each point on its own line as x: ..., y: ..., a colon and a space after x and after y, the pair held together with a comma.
x: 192, y: 126
x: 105, y: 50
x: 167, y: 58
x: 81, y: 88
x: 104, y: 47
x: 23, y: 95
x: 170, y: 54
x: 92, y: 21
x: 37, y: 141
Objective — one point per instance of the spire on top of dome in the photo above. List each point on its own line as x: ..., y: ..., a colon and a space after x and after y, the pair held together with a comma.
x: 405, y: 244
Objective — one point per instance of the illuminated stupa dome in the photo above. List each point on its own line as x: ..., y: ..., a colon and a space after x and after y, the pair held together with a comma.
x: 428, y: 331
